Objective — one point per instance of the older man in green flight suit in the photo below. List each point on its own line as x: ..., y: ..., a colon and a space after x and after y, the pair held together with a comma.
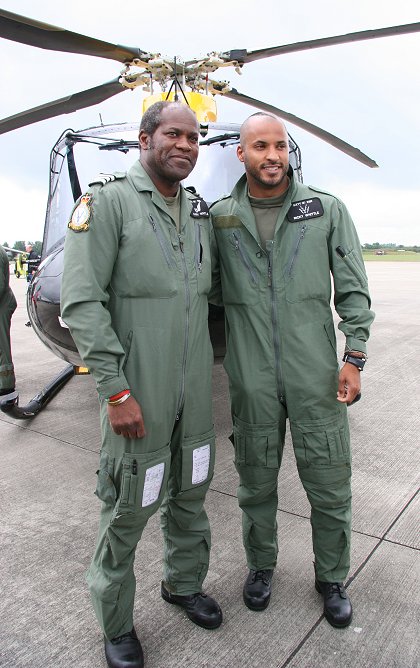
x: 276, y: 244
x: 138, y: 315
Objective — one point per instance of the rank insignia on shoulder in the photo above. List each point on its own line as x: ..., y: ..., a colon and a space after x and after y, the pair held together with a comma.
x: 199, y: 208
x: 102, y: 179
x: 79, y: 221
x: 305, y: 210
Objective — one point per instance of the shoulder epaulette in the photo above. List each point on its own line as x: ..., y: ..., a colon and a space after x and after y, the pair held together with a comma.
x: 102, y: 179
x: 319, y: 190
x: 220, y: 199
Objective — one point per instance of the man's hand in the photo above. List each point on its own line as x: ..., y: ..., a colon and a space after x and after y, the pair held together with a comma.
x: 348, y: 383
x: 126, y: 419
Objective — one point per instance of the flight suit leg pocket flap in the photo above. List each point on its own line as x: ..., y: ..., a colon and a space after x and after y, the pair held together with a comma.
x: 256, y: 445
x: 198, y: 454
x: 105, y: 488
x: 143, y: 480
x: 322, y: 444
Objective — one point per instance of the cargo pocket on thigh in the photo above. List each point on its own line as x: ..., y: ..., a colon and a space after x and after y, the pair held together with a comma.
x: 143, y: 483
x: 197, y: 464
x: 256, y: 445
x: 325, y: 444
x: 105, y: 488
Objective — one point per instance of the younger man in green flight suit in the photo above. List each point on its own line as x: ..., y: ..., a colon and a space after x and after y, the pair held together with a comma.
x: 276, y: 244
x: 138, y: 315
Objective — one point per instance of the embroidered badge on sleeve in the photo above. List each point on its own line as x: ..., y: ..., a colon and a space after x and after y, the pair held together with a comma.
x: 79, y: 221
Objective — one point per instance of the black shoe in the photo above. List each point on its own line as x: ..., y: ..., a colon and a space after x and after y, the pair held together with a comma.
x: 337, y: 607
x: 200, y: 608
x: 124, y: 651
x: 257, y: 589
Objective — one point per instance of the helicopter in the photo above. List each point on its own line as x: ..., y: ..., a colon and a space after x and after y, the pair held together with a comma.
x: 78, y: 155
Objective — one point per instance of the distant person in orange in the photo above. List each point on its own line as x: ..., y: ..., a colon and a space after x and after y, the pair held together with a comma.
x: 7, y: 308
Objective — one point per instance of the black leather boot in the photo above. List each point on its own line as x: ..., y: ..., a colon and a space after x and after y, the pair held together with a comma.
x: 257, y: 589
x: 124, y: 651
x: 337, y: 607
x: 200, y: 608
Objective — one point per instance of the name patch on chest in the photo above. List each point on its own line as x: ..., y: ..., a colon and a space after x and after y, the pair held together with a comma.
x: 199, y: 208
x: 305, y: 210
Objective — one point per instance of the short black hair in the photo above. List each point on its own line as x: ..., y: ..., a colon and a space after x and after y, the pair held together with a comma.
x: 151, y: 117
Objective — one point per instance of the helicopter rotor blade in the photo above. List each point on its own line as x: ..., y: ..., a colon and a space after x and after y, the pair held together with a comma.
x: 34, y: 33
x: 65, y: 105
x: 244, y: 56
x: 341, y: 145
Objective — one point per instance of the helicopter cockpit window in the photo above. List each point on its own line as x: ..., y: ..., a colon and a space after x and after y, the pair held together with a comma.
x: 78, y: 157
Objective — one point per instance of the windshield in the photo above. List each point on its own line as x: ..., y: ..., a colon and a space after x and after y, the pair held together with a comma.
x: 78, y: 157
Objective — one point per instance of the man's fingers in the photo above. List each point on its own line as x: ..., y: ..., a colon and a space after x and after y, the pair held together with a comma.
x: 342, y: 389
x: 134, y: 431
x: 126, y: 419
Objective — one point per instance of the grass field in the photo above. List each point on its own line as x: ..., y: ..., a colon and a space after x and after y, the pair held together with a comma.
x: 391, y: 256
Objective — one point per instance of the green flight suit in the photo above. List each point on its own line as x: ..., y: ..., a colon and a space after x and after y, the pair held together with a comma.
x: 7, y: 308
x: 134, y: 295
x: 281, y: 360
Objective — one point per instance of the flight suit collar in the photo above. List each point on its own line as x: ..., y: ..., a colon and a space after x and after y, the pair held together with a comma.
x: 240, y: 195
x: 143, y: 183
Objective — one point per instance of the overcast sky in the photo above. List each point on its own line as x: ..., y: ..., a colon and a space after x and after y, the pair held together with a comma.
x: 367, y: 93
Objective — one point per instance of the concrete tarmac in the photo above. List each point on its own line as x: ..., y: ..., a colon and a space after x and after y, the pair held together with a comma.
x: 49, y: 520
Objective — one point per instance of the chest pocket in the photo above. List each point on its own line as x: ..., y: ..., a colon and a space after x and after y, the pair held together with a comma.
x: 202, y: 257
x: 146, y: 265
x: 306, y: 269
x: 240, y: 273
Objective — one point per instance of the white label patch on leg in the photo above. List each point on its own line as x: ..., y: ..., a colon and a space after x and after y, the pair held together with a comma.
x: 152, y: 484
x: 201, y: 463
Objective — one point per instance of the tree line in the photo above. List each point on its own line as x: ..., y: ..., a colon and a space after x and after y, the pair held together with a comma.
x: 377, y: 245
x: 21, y: 246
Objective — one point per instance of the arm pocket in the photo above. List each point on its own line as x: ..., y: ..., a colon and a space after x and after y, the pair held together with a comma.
x: 354, y: 266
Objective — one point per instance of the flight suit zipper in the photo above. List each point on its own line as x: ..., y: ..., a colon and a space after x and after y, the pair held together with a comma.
x: 296, y: 250
x: 198, y: 248
x: 237, y: 243
x: 187, y: 327
x: 275, y: 324
x: 162, y: 242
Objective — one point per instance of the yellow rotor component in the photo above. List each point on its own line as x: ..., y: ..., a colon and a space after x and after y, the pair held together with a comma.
x: 203, y: 106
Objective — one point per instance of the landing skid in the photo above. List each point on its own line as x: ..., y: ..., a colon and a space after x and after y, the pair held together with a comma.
x: 9, y: 403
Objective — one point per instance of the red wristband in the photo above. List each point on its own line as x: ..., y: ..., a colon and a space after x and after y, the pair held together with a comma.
x: 115, y: 397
